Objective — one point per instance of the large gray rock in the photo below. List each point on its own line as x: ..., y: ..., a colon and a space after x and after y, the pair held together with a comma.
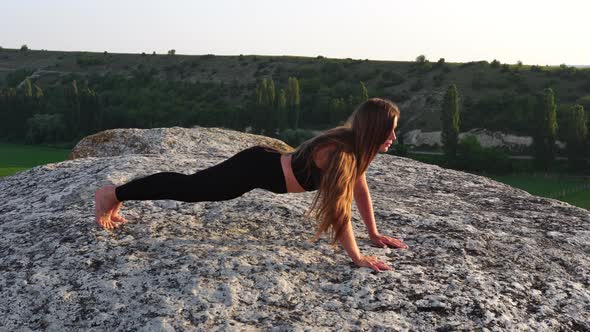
x: 171, y: 141
x: 482, y: 256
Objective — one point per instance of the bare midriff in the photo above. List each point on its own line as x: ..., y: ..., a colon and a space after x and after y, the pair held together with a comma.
x: 293, y: 185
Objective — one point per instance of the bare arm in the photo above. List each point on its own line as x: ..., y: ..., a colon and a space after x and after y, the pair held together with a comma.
x: 362, y: 198
x: 349, y: 243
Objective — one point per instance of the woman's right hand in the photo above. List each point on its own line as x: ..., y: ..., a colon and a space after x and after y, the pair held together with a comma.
x: 372, y: 262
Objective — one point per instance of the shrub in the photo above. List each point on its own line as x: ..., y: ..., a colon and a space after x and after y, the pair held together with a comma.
x: 401, y: 96
x: 438, y: 80
x: 294, y: 137
x: 333, y: 72
x: 471, y: 156
x: 400, y: 149
x: 16, y: 76
x: 44, y: 128
x: 391, y: 78
x: 84, y: 60
x: 418, y: 85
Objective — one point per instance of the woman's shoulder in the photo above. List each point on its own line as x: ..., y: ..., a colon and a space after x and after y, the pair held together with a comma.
x: 322, y: 153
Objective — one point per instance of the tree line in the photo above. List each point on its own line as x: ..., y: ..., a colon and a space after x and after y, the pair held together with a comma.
x: 544, y: 123
x: 80, y: 106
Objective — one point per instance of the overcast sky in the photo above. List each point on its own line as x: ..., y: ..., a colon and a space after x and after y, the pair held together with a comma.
x: 535, y: 32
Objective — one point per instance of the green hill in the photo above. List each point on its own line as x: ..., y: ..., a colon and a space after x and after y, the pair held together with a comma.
x: 150, y: 90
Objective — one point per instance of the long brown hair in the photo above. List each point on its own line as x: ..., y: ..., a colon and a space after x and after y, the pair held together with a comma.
x: 356, y: 144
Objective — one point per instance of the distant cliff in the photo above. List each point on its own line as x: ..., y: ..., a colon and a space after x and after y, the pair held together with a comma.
x: 487, y: 139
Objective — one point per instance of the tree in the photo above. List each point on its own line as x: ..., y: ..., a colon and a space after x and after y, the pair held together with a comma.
x: 282, y: 111
x: 266, y: 118
x: 171, y: 52
x: 271, y: 119
x: 421, y: 58
x: 545, y: 130
x: 585, y: 102
x: 24, y: 48
x: 90, y: 111
x: 575, y: 132
x: 271, y: 95
x: 450, y: 122
x: 28, y: 88
x: 337, y: 110
x: 294, y: 101
x: 261, y: 102
x: 38, y: 92
x: 72, y: 118
x: 364, y: 92
x: 43, y: 128
x: 261, y: 92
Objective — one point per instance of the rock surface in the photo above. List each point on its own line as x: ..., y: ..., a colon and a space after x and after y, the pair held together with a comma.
x: 482, y: 256
x: 171, y: 141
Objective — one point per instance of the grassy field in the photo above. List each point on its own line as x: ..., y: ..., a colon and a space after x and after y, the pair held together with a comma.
x: 572, y: 189
x: 19, y: 157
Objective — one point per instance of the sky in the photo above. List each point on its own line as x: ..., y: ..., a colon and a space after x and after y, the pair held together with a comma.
x: 535, y: 32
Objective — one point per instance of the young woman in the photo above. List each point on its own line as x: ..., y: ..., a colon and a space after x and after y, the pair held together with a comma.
x: 333, y: 163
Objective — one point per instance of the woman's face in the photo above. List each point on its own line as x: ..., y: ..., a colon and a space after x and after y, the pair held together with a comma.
x: 385, y: 146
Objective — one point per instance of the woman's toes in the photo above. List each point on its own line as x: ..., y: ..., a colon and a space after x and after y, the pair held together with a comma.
x: 118, y: 218
x: 110, y: 225
x: 107, y: 218
x: 115, y: 216
x: 105, y: 222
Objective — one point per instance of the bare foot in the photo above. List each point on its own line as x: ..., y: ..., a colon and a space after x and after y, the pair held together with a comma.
x: 115, y: 216
x: 104, y: 201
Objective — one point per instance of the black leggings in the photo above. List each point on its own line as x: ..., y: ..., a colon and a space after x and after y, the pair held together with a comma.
x: 251, y: 168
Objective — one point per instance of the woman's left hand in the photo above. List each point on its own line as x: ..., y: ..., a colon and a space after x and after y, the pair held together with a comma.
x: 383, y: 241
